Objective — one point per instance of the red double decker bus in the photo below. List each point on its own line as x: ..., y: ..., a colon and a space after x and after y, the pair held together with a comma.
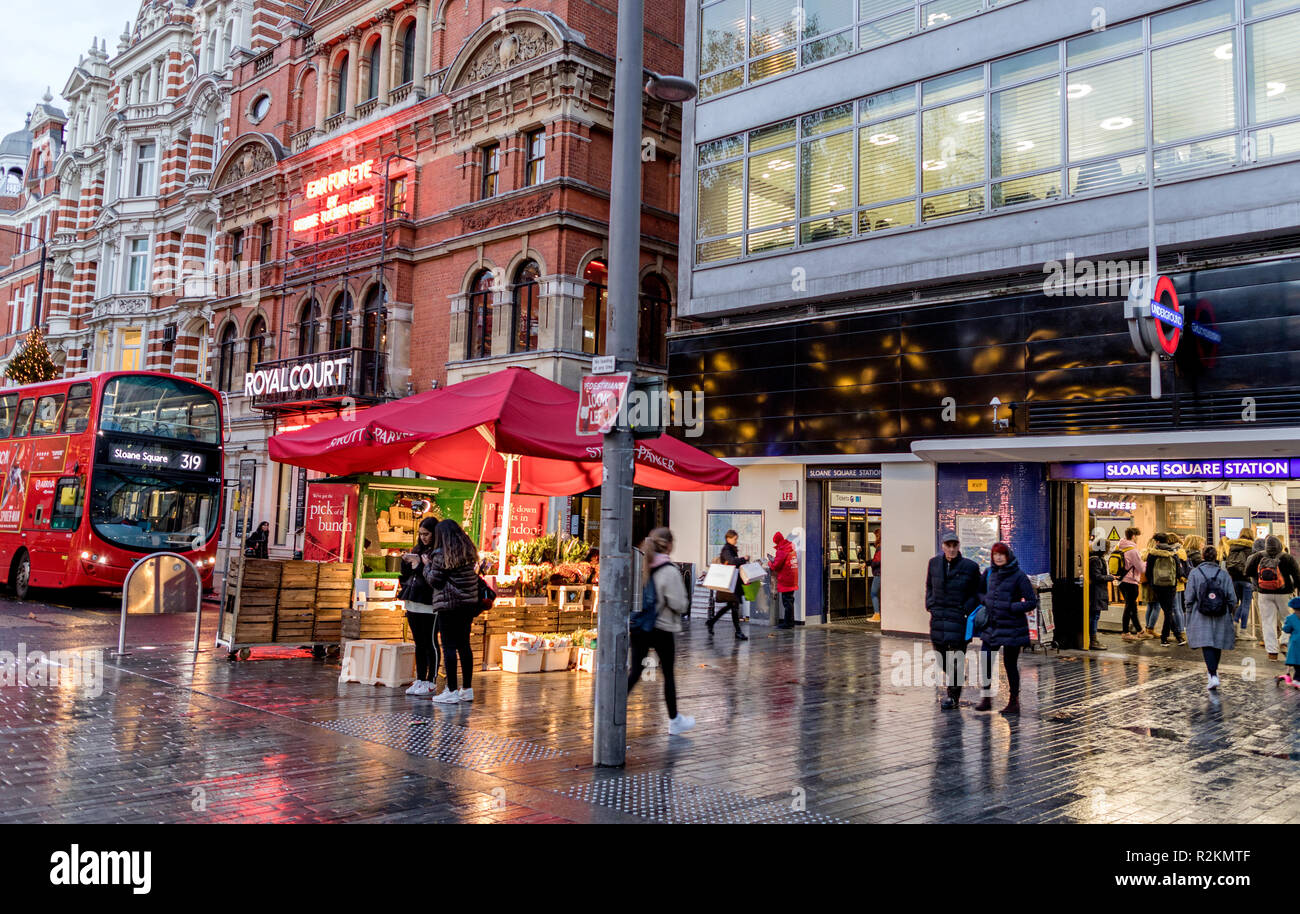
x: 98, y: 470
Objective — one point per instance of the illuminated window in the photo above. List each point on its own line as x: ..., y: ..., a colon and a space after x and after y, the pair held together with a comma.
x: 595, y: 299
x: 397, y: 199
x: 129, y: 352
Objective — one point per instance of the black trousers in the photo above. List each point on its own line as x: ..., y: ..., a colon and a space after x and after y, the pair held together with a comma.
x: 426, y: 647
x: 453, y: 627
x: 1130, y: 592
x: 665, y: 647
x: 954, y: 665
x: 1212, y: 656
x: 1165, y: 597
x: 787, y: 601
x: 722, y: 608
x: 1010, y: 662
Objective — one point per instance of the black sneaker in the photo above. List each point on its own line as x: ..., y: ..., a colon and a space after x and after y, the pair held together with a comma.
x: 947, y: 704
x: 741, y: 636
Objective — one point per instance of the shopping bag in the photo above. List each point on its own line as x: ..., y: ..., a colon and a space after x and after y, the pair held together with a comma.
x: 721, y: 578
x: 752, y: 572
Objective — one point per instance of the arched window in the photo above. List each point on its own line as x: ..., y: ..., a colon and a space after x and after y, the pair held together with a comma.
x: 341, y: 322
x: 480, y: 317
x: 373, y: 339
x: 408, y: 53
x: 594, y: 300
x: 652, y: 322
x: 524, y: 299
x: 308, y: 327
x: 226, y: 363
x: 372, y: 79
x: 256, y: 342
x: 341, y: 96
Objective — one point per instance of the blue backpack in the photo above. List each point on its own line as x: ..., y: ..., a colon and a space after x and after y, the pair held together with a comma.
x: 645, y: 619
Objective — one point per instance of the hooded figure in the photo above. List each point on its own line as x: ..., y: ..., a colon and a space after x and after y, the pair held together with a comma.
x: 785, y: 568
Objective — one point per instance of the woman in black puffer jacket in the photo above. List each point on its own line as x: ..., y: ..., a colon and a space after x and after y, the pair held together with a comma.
x: 1009, y: 596
x: 450, y: 571
x: 416, y: 594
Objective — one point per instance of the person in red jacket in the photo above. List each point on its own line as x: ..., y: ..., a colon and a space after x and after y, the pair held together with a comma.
x: 785, y: 566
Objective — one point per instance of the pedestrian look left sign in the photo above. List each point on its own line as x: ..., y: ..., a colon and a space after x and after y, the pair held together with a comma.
x: 600, y: 398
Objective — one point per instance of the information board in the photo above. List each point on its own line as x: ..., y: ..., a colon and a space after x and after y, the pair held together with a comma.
x: 747, y: 524
x: 978, y: 533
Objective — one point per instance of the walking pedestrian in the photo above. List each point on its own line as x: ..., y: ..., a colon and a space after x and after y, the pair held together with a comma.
x: 1275, y: 575
x: 1163, y: 571
x: 1235, y: 560
x: 875, y: 575
x: 417, y: 597
x: 1210, y: 598
x: 1099, y: 580
x: 450, y: 570
x: 952, y: 584
x: 256, y: 546
x: 1130, y: 568
x: 1184, y: 568
x: 1009, y: 596
x: 785, y: 566
x: 730, y: 555
x: 670, y: 602
x: 1292, y: 627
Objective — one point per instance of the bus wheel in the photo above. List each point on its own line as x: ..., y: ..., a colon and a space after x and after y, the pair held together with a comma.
x: 244, y: 653
x: 21, y: 575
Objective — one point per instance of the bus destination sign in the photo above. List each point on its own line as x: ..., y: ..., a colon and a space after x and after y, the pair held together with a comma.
x: 155, y: 457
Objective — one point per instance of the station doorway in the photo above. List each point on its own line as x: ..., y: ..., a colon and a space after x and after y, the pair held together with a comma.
x: 851, y: 542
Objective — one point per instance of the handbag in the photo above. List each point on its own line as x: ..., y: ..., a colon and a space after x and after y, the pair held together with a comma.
x: 977, y: 621
x: 486, y: 597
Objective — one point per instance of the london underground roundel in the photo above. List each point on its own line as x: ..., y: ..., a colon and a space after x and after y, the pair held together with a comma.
x: 1166, y: 315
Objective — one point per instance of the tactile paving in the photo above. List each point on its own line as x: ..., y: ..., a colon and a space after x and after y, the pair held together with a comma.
x: 432, y: 738
x: 661, y: 799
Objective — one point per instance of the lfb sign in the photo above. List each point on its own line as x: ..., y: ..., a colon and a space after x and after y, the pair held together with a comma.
x: 1154, y: 316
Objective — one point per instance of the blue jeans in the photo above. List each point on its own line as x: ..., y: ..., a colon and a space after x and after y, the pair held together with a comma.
x: 1153, y: 613
x: 875, y: 594
x: 1092, y: 628
x: 1245, y: 596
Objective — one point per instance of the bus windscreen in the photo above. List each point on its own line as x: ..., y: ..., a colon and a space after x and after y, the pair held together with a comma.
x: 144, y: 512
x: 161, y: 407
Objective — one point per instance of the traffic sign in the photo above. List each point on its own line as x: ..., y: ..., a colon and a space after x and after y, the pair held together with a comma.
x: 600, y: 398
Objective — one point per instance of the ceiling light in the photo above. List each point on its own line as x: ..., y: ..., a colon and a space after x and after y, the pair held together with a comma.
x: 1275, y: 89
x: 1224, y: 51
x: 971, y: 117
x: 1024, y: 145
x: 1116, y: 123
x: 1078, y: 91
x: 934, y: 165
x: 882, y: 139
x: 836, y: 188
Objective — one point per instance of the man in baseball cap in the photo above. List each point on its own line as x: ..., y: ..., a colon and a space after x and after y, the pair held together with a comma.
x: 951, y: 594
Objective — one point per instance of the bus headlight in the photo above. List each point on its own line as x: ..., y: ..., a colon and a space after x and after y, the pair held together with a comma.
x: 85, y: 555
x: 103, y: 560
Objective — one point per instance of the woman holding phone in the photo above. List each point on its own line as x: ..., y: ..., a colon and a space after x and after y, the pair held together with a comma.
x: 451, y: 572
x: 418, y: 597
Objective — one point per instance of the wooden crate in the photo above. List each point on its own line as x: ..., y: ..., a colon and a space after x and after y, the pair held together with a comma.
x: 377, y: 624
x: 253, y: 633
x: 334, y: 575
x: 298, y: 575
x: 297, y: 599
x: 256, y: 596
x: 327, y: 631
x: 260, y: 573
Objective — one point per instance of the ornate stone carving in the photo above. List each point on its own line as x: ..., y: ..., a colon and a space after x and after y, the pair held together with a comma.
x: 508, y: 212
x: 251, y: 160
x: 518, y: 45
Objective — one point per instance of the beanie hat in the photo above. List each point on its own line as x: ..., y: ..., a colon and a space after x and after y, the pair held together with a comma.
x: 1294, y: 603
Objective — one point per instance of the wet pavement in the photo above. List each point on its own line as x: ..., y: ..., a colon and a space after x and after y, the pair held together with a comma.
x: 817, y: 725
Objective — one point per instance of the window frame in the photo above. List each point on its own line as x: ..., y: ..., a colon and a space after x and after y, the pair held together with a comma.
x: 256, y: 343
x: 478, y: 303
x: 525, y: 308
x: 77, y: 395
x: 490, y: 167
x: 534, y: 161
x: 143, y: 182
x: 226, y: 358
x: 600, y: 298
x: 137, y: 280
x: 266, y: 241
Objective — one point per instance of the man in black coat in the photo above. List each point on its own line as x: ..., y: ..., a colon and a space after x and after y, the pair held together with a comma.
x: 952, y: 585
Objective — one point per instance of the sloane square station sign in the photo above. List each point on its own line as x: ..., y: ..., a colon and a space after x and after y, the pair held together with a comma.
x: 1188, y: 470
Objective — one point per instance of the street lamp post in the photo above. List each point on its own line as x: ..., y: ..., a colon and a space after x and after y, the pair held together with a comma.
x: 609, y: 745
x: 40, y: 277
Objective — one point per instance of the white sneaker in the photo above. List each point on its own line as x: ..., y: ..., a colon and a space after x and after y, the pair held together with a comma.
x: 1214, y: 682
x: 447, y: 697
x: 680, y: 724
x: 465, y: 694
x: 419, y: 687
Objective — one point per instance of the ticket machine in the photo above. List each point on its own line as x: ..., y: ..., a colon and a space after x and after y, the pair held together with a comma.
x: 857, y: 558
x: 837, y: 568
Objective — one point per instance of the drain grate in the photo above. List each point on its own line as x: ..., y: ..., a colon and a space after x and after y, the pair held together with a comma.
x: 435, y: 739
x: 661, y: 799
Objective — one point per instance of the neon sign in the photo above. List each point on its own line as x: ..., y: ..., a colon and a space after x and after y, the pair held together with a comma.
x: 334, y: 208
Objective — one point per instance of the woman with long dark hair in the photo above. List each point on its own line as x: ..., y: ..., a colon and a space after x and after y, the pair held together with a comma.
x: 418, y: 598
x: 450, y: 571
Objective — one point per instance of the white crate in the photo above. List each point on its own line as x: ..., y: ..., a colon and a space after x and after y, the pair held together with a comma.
x: 376, y: 588
x: 357, y: 659
x: 557, y: 658
x: 517, y: 660
x: 392, y: 665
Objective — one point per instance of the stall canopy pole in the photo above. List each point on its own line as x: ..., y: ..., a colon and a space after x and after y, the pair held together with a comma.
x: 505, y: 513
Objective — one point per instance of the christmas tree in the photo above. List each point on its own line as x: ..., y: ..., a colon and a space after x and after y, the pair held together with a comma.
x: 32, y: 363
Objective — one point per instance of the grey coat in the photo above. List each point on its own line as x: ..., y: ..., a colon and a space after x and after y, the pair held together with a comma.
x: 1203, y: 630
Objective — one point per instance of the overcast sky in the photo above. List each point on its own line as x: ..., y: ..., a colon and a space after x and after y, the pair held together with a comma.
x: 43, y: 51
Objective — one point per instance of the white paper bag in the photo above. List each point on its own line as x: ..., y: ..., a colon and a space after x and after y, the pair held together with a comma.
x: 721, y: 578
x: 752, y: 572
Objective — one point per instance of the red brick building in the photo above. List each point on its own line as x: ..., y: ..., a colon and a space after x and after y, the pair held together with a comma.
x: 421, y: 190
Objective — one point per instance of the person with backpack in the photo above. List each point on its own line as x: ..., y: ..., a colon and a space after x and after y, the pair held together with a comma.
x: 952, y: 584
x: 1009, y: 596
x: 1099, y: 592
x: 1235, y: 559
x: 1164, y: 568
x: 417, y: 597
x: 451, y: 572
x: 1125, y: 563
x: 1275, y: 577
x: 1210, y: 598
x: 663, y: 600
x: 785, y: 566
x: 730, y: 602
